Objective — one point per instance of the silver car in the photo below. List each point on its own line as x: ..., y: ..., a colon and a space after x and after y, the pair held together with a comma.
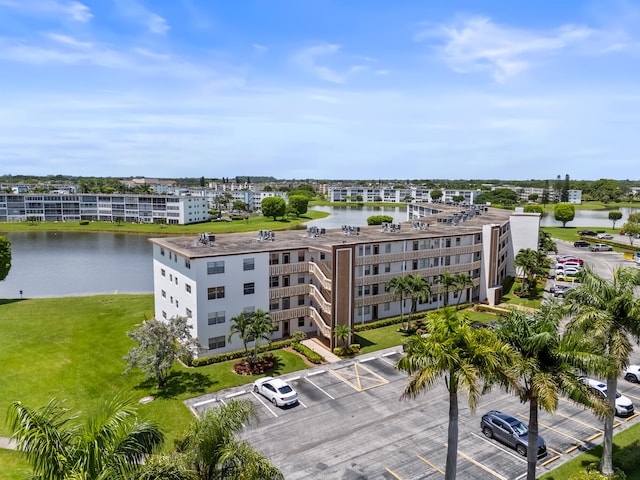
x: 510, y: 431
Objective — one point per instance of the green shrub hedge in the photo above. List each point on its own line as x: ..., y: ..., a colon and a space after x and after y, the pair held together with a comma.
x: 223, y: 357
x: 313, y: 357
x: 84, y: 222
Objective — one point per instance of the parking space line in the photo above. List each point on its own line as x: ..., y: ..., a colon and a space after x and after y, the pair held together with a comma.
x: 316, y: 373
x: 370, y: 375
x: 301, y: 403
x: 204, y: 402
x: 366, y: 359
x: 593, y: 437
x: 395, y: 475
x: 555, y: 430
x: 480, y: 465
x: 551, y: 460
x: 388, y: 354
x: 631, y: 396
x: 631, y: 417
x: 265, y: 405
x: 578, y: 421
x: 437, y: 469
x: 236, y: 394
x: 293, y: 379
x: 393, y: 364
x: 319, y: 388
x: 499, y: 447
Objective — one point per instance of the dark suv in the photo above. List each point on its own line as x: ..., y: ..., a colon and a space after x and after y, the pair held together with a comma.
x: 581, y: 243
x: 510, y: 431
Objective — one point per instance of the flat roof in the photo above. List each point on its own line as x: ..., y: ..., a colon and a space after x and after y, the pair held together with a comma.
x: 248, y: 242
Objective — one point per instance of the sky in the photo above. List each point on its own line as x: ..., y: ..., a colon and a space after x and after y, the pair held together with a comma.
x: 321, y: 89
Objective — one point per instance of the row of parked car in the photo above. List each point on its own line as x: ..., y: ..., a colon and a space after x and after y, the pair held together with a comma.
x: 512, y: 432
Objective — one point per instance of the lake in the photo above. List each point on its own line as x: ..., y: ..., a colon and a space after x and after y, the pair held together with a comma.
x: 47, y: 264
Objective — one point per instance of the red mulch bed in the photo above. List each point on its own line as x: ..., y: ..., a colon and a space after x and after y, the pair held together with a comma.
x: 263, y: 364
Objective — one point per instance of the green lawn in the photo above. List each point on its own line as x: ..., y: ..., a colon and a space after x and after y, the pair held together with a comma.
x: 254, y: 223
x: 72, y: 348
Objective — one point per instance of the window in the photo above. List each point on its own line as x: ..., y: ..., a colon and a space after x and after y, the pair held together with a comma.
x: 285, y: 258
x: 177, y: 304
x: 274, y: 259
x: 367, y: 309
x: 301, y: 255
x: 162, y: 251
x: 301, y: 321
x: 214, y: 318
x: 322, y: 255
x: 376, y: 249
x: 215, y: 292
x: 274, y: 304
x: 274, y: 282
x: 187, y: 287
x: 170, y: 257
x: 163, y: 272
x: 249, y: 288
x: 249, y: 310
x: 187, y: 263
x: 300, y: 300
x: 300, y: 278
x: 286, y: 303
x: 387, y: 248
x: 216, y: 342
x: 188, y: 312
x: 171, y: 299
x: 215, y: 267
x: 387, y: 267
x: 164, y: 294
x: 164, y: 314
x: 171, y: 277
x: 176, y: 279
x: 248, y: 264
x: 415, y: 245
x: 386, y: 307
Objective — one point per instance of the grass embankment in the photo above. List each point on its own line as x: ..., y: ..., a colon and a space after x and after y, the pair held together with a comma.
x: 250, y: 225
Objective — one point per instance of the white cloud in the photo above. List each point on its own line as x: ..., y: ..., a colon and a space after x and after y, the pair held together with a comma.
x: 307, y: 59
x: 478, y: 44
x: 137, y: 12
x: 157, y: 24
x: 259, y: 48
x: 69, y: 41
x: 73, y: 10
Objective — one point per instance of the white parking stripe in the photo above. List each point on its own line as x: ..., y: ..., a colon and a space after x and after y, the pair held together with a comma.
x: 319, y: 388
x: 366, y: 359
x: 204, y: 402
x: 237, y: 394
x: 316, y: 373
x: 499, y: 447
x: 388, y: 354
x: 263, y: 403
x: 393, y: 364
x: 301, y: 403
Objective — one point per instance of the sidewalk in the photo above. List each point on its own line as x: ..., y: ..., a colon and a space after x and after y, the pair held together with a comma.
x: 7, y: 443
x: 318, y: 347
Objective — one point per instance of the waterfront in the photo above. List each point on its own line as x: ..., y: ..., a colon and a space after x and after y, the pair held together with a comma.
x: 49, y: 264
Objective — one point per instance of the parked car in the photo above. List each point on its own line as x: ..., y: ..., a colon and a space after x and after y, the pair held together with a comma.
x: 570, y: 258
x: 561, y: 290
x: 277, y: 391
x: 605, y: 236
x: 567, y: 277
x: 587, y: 233
x: 510, y: 431
x: 581, y: 243
x: 632, y: 373
x: 566, y: 265
x: 624, y: 406
x: 601, y: 247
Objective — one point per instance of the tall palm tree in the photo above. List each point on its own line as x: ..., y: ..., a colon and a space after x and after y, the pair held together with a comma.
x: 418, y: 290
x: 608, y: 313
x: 547, y: 365
x: 463, y: 356
x: 108, y: 445
x: 399, y: 290
x: 260, y: 328
x: 213, y: 451
x: 342, y: 332
x: 527, y: 262
x: 239, y: 325
x: 447, y: 283
x: 462, y: 281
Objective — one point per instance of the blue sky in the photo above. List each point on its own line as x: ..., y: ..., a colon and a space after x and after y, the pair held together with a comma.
x: 327, y: 89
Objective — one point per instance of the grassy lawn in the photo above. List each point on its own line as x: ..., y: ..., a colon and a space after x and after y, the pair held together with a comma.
x: 13, y: 466
x: 72, y: 348
x: 250, y: 225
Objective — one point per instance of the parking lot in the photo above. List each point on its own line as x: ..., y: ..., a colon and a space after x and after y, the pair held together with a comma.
x: 351, y: 424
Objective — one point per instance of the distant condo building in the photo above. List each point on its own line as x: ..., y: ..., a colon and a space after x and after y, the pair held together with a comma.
x: 316, y: 279
x: 101, y: 207
x: 399, y: 195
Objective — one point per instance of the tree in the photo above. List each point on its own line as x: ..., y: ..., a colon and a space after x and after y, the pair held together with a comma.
x: 464, y: 356
x: 239, y: 205
x: 110, y: 444
x: 608, y: 313
x: 379, y: 219
x: 419, y: 291
x: 614, y: 216
x: 631, y: 230
x: 564, y: 212
x: 273, y: 207
x: 436, y: 195
x: 212, y: 450
x: 546, y: 365
x: 160, y: 342
x: 545, y: 192
x: 342, y: 333
x: 546, y: 243
x: 531, y: 264
x: 5, y: 257
x: 533, y: 197
x: 399, y: 290
x: 239, y: 325
x: 299, y: 204
x: 533, y: 209
x: 462, y: 282
x: 119, y: 221
x: 564, y: 196
x: 260, y: 328
x: 447, y: 283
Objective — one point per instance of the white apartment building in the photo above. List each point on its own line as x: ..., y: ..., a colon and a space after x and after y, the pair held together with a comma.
x: 102, y: 207
x: 398, y: 195
x: 312, y: 281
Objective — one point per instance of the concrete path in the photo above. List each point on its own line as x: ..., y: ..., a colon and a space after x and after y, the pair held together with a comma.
x: 7, y: 443
x: 318, y: 347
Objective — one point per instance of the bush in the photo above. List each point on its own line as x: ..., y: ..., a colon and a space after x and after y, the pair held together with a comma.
x: 298, y: 336
x: 379, y: 219
x: 313, y: 357
x: 224, y: 357
x: 592, y: 473
x: 340, y: 351
x: 354, y: 348
x: 84, y: 222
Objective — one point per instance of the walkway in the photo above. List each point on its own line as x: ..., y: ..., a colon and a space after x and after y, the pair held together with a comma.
x: 7, y: 443
x: 318, y: 347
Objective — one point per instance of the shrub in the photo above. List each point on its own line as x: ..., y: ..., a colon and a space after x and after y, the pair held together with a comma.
x: 354, y: 348
x: 340, y: 351
x: 313, y: 357
x: 298, y: 336
x: 224, y: 357
x: 379, y: 219
x: 84, y: 222
x: 592, y: 473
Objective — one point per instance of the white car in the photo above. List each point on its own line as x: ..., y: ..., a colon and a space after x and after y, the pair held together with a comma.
x: 277, y: 391
x: 632, y: 373
x: 605, y: 236
x: 624, y: 406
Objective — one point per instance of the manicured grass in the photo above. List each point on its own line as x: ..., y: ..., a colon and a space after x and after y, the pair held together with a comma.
x: 72, y: 348
x: 379, y: 338
x: 254, y: 223
x: 13, y: 466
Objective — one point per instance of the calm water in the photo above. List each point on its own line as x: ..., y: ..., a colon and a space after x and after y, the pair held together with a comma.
x: 64, y: 264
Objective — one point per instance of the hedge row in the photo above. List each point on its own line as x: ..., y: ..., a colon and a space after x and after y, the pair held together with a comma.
x: 223, y: 357
x: 313, y: 357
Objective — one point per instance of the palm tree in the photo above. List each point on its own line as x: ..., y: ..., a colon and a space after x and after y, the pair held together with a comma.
x: 108, y: 445
x: 462, y: 281
x: 213, y: 451
x: 531, y: 265
x: 418, y: 290
x: 447, y: 282
x: 342, y: 332
x: 240, y: 325
x: 608, y: 313
x: 260, y: 328
x: 547, y: 365
x: 464, y: 356
x: 399, y: 289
